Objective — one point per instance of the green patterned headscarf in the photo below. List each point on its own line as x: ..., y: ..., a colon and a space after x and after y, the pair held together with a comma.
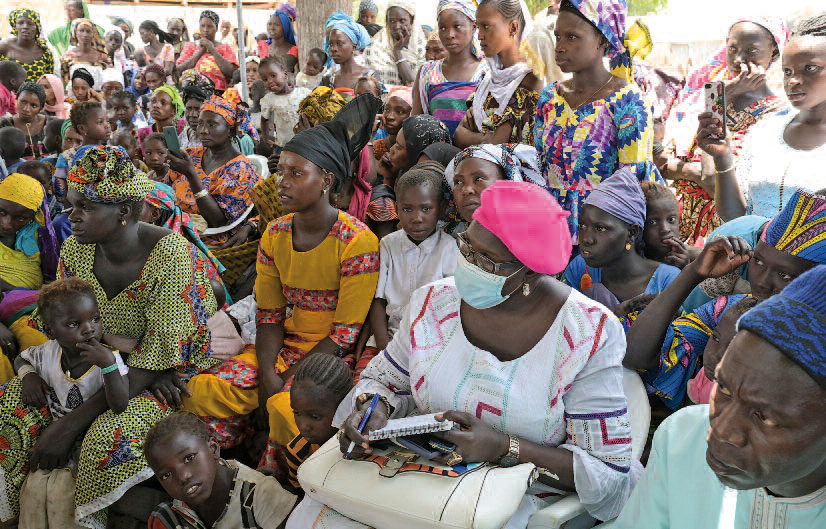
x: 177, y: 102
x: 106, y: 174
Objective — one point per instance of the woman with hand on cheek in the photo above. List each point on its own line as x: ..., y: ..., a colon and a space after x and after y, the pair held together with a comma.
x: 753, y: 46
x: 786, y: 151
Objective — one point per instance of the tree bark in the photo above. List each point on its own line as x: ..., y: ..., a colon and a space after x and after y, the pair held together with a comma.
x: 312, y: 15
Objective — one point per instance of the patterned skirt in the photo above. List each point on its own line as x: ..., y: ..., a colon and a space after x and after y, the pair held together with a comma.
x: 111, y: 456
x: 21, y: 427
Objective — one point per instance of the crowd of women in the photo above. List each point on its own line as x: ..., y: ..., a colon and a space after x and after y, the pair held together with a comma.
x: 497, y: 220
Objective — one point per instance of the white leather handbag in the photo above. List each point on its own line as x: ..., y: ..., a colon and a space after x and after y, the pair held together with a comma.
x: 395, y: 488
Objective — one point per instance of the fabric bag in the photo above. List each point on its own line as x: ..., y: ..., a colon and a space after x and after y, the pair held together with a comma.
x: 395, y: 488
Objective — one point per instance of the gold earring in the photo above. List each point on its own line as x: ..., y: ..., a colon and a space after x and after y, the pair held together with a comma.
x: 123, y: 222
x: 526, y: 289
x: 628, y: 247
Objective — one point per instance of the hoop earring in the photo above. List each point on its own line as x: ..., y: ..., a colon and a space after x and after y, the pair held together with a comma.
x: 628, y: 247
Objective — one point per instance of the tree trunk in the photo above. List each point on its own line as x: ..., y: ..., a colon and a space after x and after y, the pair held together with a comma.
x: 312, y: 15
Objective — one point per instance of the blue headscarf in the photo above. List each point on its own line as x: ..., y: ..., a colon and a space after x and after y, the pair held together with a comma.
x: 345, y: 23
x: 287, y: 24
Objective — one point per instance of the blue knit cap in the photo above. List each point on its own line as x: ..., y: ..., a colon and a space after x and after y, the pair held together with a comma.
x: 794, y: 321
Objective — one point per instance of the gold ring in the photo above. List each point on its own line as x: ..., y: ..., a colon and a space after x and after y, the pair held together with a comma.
x: 454, y: 459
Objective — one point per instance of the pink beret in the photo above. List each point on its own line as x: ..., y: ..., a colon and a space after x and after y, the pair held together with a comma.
x: 530, y: 222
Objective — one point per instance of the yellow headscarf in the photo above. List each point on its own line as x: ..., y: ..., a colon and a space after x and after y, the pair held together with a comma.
x: 24, y: 190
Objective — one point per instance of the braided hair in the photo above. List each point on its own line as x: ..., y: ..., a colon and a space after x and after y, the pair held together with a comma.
x: 510, y: 10
x: 326, y: 371
x: 815, y: 26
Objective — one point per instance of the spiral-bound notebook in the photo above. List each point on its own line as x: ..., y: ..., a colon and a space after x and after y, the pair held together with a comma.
x: 415, y: 425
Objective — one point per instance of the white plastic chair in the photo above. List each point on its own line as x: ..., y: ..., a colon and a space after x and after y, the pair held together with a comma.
x: 260, y: 164
x: 569, y: 508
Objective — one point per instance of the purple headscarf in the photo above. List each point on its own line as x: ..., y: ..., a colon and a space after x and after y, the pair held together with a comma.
x: 621, y: 196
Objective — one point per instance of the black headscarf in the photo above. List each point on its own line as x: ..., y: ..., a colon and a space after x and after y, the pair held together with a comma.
x: 420, y: 131
x: 212, y: 15
x: 333, y: 145
x: 83, y: 73
x: 441, y: 152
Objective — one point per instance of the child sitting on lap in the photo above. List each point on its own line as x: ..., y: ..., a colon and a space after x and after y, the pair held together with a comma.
x: 206, y: 490
x: 155, y: 153
x: 52, y: 380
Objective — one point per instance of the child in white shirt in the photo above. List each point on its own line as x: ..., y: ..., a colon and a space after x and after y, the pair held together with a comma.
x: 416, y: 255
x: 279, y: 108
x: 52, y: 380
x: 310, y: 76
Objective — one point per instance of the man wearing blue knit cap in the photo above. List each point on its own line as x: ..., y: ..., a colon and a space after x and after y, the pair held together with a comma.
x: 756, y: 457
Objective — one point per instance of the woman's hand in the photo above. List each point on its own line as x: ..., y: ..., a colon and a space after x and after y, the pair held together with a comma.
x: 710, y: 137
x: 468, y: 121
x: 167, y: 388
x: 206, y: 46
x: 240, y: 237
x: 94, y: 95
x: 752, y: 77
x: 124, y: 344
x: 53, y: 448
x: 269, y: 383
x: 303, y: 124
x: 476, y: 442
x: 35, y: 390
x: 402, y: 43
x: 8, y: 342
x: 350, y: 433
x: 721, y: 256
x: 181, y: 165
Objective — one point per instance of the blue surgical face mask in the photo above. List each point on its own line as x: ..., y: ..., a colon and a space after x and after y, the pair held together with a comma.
x: 479, y: 289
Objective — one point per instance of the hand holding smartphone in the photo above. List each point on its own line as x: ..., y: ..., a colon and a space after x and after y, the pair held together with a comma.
x: 170, y: 134
x: 715, y: 99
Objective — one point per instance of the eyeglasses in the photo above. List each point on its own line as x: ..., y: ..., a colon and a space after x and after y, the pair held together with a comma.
x: 482, y: 261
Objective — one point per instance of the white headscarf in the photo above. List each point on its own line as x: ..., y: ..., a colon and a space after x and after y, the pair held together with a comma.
x: 519, y: 162
x: 501, y: 82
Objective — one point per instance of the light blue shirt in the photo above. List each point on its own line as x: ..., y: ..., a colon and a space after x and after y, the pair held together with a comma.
x: 678, y: 490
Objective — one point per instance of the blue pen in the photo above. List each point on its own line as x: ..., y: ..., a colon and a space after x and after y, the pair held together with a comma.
x: 373, y: 403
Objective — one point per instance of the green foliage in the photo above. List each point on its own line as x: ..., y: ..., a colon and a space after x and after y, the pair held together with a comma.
x: 635, y: 7
x: 645, y: 7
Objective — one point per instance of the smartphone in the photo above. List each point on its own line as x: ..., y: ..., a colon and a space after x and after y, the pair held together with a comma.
x: 715, y: 97
x: 170, y: 134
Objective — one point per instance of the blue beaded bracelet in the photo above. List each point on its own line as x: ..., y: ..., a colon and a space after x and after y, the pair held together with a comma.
x: 113, y: 367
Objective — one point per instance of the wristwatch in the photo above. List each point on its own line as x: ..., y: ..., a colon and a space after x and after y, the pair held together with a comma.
x: 511, y: 457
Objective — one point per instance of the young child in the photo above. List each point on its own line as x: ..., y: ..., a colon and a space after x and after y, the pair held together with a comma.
x: 206, y: 490
x: 418, y: 254
x: 12, y: 147
x: 434, y: 50
x: 662, y: 227
x: 320, y: 384
x: 258, y: 89
x: 699, y: 387
x: 367, y: 84
x: 42, y: 172
x: 89, y: 119
x: 52, y: 140
x: 279, y: 108
x: 313, y: 71
x: 12, y: 75
x: 130, y: 117
x: 397, y: 109
x: 52, y: 380
x: 155, y: 153
x: 129, y: 143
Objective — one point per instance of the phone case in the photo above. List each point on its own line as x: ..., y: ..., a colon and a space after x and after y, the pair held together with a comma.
x: 715, y: 97
x: 171, y: 138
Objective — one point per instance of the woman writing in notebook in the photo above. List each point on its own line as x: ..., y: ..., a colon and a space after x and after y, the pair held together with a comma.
x: 449, y: 354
